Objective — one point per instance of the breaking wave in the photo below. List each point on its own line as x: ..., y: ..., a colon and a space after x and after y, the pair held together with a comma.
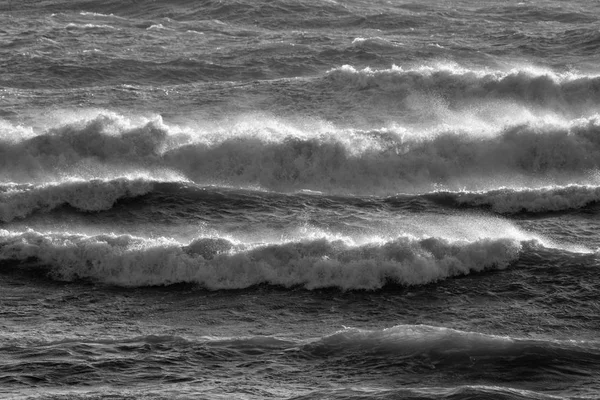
x: 218, y: 263
x: 333, y: 160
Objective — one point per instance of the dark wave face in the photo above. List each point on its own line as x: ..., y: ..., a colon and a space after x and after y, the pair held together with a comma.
x: 299, y: 199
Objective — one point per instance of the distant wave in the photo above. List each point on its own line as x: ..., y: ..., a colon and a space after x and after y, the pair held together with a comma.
x: 218, y: 263
x: 93, y: 14
x: 89, y: 26
x: 379, y: 162
x: 374, y: 43
x: 529, y: 85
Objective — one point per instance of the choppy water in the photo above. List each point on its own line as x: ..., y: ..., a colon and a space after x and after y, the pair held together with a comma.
x: 299, y: 199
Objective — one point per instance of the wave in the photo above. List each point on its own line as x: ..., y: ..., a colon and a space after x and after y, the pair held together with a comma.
x: 454, y: 83
x: 73, y: 25
x: 445, y: 345
x: 95, y: 195
x: 282, y: 157
x: 391, y: 162
x: 375, y: 43
x: 103, y: 139
x: 510, y: 201
x: 466, y: 356
x: 93, y: 14
x: 157, y: 27
x: 18, y: 201
x: 430, y: 393
x: 218, y: 263
x: 401, y: 353
x: 438, y: 344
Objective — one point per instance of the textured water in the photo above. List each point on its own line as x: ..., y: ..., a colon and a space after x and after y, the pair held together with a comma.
x: 299, y: 199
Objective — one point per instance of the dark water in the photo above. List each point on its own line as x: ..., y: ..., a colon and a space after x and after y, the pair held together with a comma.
x: 299, y: 200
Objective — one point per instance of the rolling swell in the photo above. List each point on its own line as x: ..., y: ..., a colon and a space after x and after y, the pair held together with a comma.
x: 217, y: 263
x: 382, y: 162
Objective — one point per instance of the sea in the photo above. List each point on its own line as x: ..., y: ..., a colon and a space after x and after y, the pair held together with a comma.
x: 299, y: 199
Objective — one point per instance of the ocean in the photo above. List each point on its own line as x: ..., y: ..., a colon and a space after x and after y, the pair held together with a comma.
x: 299, y: 199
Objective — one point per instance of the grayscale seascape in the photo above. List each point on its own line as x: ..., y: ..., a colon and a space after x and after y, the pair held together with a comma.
x: 299, y: 199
